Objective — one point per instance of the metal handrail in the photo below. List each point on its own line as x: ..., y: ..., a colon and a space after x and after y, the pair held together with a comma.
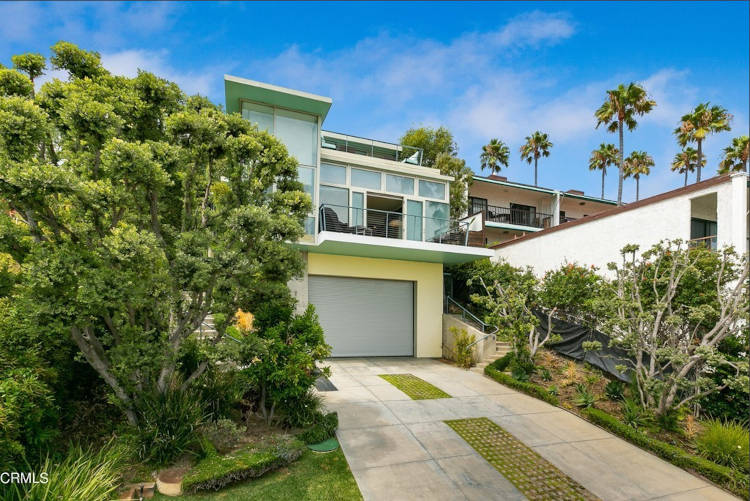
x: 510, y: 215
x: 388, y: 224
x: 466, y: 313
x: 341, y: 142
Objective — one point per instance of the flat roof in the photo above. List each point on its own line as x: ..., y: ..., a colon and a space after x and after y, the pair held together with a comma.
x: 623, y: 208
x: 237, y: 89
x: 540, y: 189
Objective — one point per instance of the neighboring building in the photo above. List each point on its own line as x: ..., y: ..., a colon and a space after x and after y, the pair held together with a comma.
x: 512, y: 210
x: 379, y: 234
x: 712, y: 213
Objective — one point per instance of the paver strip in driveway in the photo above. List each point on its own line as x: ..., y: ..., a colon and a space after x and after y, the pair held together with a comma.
x: 416, y: 388
x: 535, y: 477
x: 401, y: 449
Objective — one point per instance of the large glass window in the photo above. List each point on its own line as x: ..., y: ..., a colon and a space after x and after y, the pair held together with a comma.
x: 414, y: 220
x: 338, y: 198
x: 259, y: 115
x: 306, y: 176
x: 299, y: 132
x: 437, y: 222
x: 366, y: 179
x: 358, y: 206
x: 335, y: 174
x: 399, y: 184
x: 309, y: 225
x: 430, y: 189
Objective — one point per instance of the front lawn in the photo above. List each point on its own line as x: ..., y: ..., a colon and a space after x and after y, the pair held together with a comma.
x: 314, y: 476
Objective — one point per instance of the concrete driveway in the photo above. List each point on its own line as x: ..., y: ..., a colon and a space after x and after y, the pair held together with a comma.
x: 400, y: 448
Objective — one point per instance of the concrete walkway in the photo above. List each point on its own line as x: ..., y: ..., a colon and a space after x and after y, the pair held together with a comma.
x: 400, y: 448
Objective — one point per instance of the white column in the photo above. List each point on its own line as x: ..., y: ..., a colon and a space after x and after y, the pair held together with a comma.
x: 556, y: 209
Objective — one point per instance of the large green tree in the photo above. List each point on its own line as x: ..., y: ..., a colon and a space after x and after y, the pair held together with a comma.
x: 602, y: 158
x: 698, y: 124
x: 495, y: 155
x: 536, y: 145
x: 638, y: 164
x: 440, y: 152
x: 135, y: 212
x: 686, y: 161
x: 735, y: 156
x: 620, y: 110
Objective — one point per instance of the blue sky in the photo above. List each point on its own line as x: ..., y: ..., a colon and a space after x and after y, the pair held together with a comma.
x: 482, y: 69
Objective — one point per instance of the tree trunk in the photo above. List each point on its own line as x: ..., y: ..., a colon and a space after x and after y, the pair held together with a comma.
x: 637, y: 188
x: 604, y: 172
x: 700, y: 161
x: 621, y: 167
x: 535, y: 178
x: 686, y: 173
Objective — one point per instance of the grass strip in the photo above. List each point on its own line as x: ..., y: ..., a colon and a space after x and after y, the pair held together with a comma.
x: 533, y: 475
x: 731, y: 479
x: 416, y: 388
x: 531, y: 389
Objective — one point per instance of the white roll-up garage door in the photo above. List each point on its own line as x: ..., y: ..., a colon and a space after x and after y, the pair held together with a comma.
x: 365, y: 317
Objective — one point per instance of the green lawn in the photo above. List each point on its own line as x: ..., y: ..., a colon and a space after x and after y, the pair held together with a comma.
x: 314, y: 476
x: 416, y: 388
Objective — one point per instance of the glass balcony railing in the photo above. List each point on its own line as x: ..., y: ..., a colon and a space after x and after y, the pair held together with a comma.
x: 371, y: 148
x: 388, y: 224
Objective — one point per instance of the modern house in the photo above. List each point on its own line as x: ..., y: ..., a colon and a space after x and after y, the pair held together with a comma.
x: 380, y: 231
x: 711, y: 213
x: 512, y: 210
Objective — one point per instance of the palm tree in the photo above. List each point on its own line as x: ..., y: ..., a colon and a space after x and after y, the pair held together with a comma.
x: 685, y: 162
x: 602, y: 158
x: 735, y: 156
x: 699, y: 123
x: 638, y: 164
x: 623, y: 104
x: 536, y: 145
x: 494, y: 154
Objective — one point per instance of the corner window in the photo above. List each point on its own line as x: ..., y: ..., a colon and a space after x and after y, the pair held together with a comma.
x: 258, y: 115
x: 399, y: 184
x: 334, y: 203
x: 430, y: 189
x: 299, y: 133
x: 306, y: 176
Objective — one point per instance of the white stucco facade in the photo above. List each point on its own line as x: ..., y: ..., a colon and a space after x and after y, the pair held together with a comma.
x: 598, y: 240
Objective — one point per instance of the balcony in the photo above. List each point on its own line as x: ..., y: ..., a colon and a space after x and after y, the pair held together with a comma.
x: 371, y: 148
x: 515, y: 216
x: 400, y: 226
x: 708, y: 242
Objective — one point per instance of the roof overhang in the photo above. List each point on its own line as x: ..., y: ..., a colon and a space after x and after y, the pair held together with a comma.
x: 508, y: 226
x: 237, y: 89
x: 345, y: 244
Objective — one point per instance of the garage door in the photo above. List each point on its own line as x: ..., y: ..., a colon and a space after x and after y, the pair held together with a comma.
x: 365, y: 317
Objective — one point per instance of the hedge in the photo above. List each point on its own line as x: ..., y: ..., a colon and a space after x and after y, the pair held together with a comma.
x: 730, y: 479
x: 532, y: 389
x: 503, y: 362
x: 324, y: 429
x: 215, y: 472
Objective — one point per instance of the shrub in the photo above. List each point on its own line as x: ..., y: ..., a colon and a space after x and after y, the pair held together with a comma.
x: 634, y: 415
x: 615, y: 390
x: 463, y: 353
x: 731, y: 479
x: 223, y: 434
x: 522, y: 366
x: 502, y: 363
x: 529, y: 388
x: 81, y: 474
x: 669, y: 420
x: 216, y: 472
x: 552, y: 390
x: 303, y: 411
x: 322, y: 430
x: 584, y: 397
x: 221, y: 391
x: 724, y: 442
x: 544, y: 374
x: 168, y: 424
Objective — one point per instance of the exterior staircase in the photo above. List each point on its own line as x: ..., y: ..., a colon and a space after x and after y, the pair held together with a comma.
x: 501, y: 349
x: 207, y: 328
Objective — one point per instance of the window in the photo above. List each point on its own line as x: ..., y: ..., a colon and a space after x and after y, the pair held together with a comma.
x: 299, y: 133
x: 338, y: 198
x: 399, y: 184
x: 335, y: 174
x: 306, y: 176
x: 523, y: 214
x: 477, y: 205
x: 430, y: 189
x: 358, y: 206
x: 309, y: 225
x: 366, y: 179
x: 414, y: 220
x: 259, y: 115
x: 437, y: 222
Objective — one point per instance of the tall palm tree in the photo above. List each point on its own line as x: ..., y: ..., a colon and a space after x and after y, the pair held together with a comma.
x: 638, y: 164
x: 536, y: 145
x: 686, y: 161
x: 699, y: 123
x: 602, y: 158
x: 735, y: 156
x: 620, y: 109
x: 494, y: 154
